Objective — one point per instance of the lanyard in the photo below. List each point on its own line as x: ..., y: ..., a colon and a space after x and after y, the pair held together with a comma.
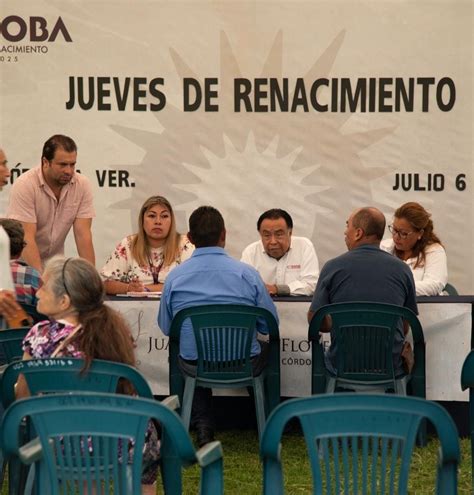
x: 155, y: 270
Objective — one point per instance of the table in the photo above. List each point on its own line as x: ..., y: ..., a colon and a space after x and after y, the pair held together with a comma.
x: 447, y: 324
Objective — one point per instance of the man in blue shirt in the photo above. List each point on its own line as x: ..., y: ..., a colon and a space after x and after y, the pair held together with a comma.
x: 210, y: 276
x: 365, y: 273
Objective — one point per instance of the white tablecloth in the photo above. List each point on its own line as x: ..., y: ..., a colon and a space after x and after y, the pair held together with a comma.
x: 446, y: 326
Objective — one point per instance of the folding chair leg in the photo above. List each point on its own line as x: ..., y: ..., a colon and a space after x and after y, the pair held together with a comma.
x: 30, y: 480
x: 421, y: 439
x: 17, y: 475
x: 188, y: 396
x: 330, y: 385
x: 259, y: 396
x: 3, y: 466
x: 272, y: 391
x: 171, y: 469
x: 401, y: 387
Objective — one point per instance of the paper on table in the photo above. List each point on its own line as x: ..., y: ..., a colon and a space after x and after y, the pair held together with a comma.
x: 141, y: 294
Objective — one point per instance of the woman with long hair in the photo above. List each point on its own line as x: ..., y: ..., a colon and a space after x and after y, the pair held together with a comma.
x: 415, y: 242
x: 80, y: 325
x: 141, y: 261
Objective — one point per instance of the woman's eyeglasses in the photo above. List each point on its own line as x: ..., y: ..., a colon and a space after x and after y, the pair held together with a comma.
x: 400, y: 233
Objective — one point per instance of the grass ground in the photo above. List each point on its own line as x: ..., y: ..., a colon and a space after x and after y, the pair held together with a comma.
x: 243, y: 471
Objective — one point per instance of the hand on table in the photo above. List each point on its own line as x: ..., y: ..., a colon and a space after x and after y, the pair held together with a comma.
x: 135, y: 286
x: 272, y: 289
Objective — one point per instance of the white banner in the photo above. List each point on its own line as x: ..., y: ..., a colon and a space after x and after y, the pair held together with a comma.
x: 446, y: 328
x: 316, y: 107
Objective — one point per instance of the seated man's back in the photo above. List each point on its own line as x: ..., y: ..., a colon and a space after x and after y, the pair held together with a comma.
x: 366, y: 274
x: 210, y: 276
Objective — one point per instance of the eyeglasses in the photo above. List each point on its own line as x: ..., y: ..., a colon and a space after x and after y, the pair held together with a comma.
x: 399, y: 233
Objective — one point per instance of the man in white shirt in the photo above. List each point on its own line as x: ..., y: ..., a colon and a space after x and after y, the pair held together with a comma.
x: 8, y: 304
x: 4, y: 172
x: 287, y: 264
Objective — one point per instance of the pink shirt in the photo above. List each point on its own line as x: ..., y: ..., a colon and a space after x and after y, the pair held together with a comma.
x: 33, y: 201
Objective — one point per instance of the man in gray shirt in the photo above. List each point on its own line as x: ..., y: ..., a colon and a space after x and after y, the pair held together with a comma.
x: 365, y: 273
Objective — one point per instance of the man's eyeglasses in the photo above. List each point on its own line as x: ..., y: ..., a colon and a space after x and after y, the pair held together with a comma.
x: 399, y: 233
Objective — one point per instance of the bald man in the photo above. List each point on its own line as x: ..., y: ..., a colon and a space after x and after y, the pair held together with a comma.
x: 365, y: 273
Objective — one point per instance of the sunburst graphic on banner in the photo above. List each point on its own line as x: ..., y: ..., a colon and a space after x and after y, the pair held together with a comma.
x: 236, y: 203
x: 247, y: 162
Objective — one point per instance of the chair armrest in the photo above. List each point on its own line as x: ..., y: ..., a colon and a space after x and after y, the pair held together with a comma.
x: 318, y: 371
x: 171, y: 402
x: 209, y: 453
x: 31, y: 451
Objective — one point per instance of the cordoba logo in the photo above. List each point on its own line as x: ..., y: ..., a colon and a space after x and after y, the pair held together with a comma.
x: 35, y: 28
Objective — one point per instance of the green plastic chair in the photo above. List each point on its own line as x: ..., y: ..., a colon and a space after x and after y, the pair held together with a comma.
x: 365, y: 333
x: 63, y: 374
x: 360, y: 443
x: 451, y: 290
x: 55, y: 375
x: 10, y: 351
x: 223, y: 335
x: 467, y: 381
x: 10, y: 343
x: 83, y: 441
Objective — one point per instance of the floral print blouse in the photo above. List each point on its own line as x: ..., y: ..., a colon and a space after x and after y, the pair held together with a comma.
x: 43, y: 339
x: 121, y: 266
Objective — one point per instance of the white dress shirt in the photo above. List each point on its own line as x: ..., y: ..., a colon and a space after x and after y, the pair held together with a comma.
x: 6, y: 280
x: 298, y: 268
x: 431, y: 278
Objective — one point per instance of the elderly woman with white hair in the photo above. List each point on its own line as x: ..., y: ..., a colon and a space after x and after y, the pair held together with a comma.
x: 80, y: 325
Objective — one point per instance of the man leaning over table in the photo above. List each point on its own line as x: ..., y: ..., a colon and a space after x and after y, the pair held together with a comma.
x: 210, y: 276
x: 288, y: 264
x: 50, y: 199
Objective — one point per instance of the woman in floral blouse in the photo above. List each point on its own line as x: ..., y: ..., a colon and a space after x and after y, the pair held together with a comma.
x: 141, y: 262
x: 82, y: 326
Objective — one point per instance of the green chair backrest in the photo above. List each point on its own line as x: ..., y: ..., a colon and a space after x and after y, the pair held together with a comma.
x: 360, y: 443
x: 11, y: 343
x: 54, y: 375
x: 223, y: 335
x: 467, y: 381
x: 451, y: 290
x: 85, y: 442
x: 364, y: 334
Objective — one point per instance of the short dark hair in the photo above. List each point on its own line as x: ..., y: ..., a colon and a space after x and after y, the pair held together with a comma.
x: 55, y: 142
x: 275, y: 214
x: 371, y: 221
x: 16, y: 233
x: 205, y: 226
